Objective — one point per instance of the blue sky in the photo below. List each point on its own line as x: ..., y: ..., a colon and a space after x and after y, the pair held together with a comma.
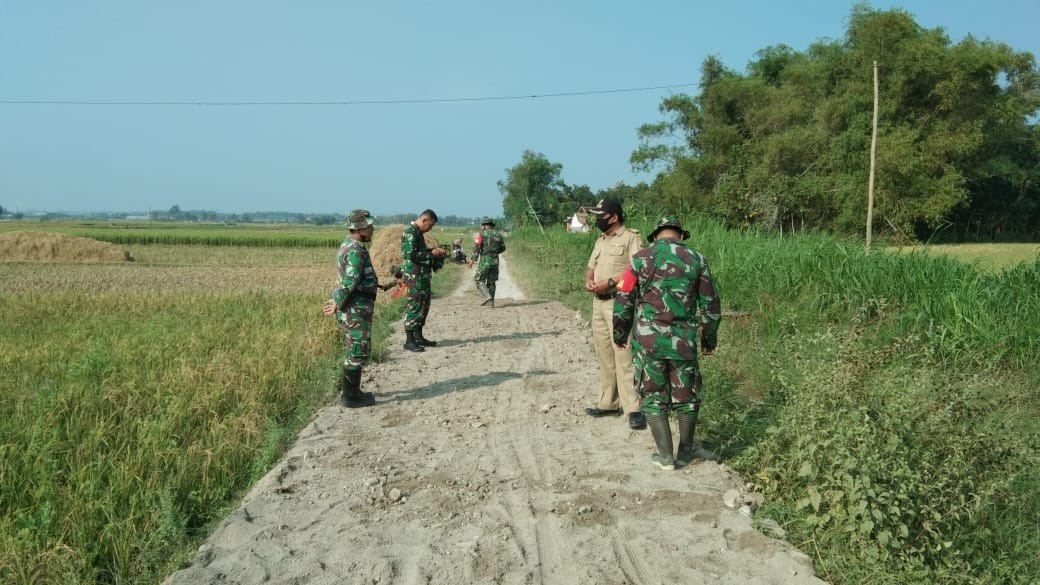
x: 388, y: 157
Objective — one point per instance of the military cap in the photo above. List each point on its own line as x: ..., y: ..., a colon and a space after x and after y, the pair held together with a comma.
x: 608, y: 205
x: 487, y: 221
x: 668, y: 221
x: 359, y: 219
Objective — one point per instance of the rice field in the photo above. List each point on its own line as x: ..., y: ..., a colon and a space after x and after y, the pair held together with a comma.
x: 138, y: 400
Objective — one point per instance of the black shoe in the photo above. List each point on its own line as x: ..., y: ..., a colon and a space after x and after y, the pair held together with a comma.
x: 421, y: 340
x: 636, y: 421
x: 598, y: 412
x: 411, y: 344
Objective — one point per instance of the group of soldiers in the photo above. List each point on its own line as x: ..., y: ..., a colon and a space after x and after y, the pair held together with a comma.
x: 653, y: 306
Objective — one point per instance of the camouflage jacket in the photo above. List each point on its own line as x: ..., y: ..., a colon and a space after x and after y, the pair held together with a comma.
x: 356, y: 279
x: 658, y: 301
x: 416, y: 258
x: 489, y: 245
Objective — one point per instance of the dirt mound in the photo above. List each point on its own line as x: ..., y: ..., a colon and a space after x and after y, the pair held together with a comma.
x: 385, y: 250
x: 48, y: 247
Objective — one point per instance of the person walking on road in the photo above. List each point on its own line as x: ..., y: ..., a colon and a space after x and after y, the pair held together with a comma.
x: 488, y: 244
x: 610, y: 257
x: 353, y: 303
x: 418, y: 263
x: 664, y: 298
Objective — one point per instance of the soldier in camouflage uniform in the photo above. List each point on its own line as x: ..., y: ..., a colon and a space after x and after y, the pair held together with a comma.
x: 418, y: 264
x: 666, y: 294
x: 488, y: 244
x: 353, y: 303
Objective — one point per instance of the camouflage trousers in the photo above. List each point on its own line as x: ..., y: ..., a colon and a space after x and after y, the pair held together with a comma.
x: 487, y: 272
x: 418, y: 305
x: 665, y: 385
x: 355, y: 323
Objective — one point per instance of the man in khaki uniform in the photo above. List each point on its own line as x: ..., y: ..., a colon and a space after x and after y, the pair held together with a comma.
x: 609, y: 260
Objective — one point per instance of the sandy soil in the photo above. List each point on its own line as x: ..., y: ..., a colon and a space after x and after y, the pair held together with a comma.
x: 479, y: 465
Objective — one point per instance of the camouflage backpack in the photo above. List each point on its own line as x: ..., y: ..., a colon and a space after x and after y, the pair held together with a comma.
x: 494, y: 244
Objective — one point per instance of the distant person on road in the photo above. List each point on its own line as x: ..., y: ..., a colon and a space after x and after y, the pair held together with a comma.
x: 610, y: 257
x: 487, y: 245
x: 353, y: 303
x: 664, y: 298
x: 418, y: 263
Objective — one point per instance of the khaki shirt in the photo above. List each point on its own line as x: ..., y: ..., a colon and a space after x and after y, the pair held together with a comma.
x: 612, y: 253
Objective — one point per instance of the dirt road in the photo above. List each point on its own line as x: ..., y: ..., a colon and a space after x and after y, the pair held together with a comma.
x: 479, y: 465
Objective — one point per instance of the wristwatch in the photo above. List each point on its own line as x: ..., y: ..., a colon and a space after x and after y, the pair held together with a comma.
x: 611, y: 283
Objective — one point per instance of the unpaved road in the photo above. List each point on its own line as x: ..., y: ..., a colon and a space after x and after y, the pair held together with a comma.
x: 478, y: 465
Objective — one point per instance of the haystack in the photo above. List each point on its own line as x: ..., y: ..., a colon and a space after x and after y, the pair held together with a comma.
x: 386, y: 250
x: 49, y: 247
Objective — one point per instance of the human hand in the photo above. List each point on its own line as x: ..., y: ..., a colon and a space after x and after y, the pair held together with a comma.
x: 438, y: 252
x: 329, y: 308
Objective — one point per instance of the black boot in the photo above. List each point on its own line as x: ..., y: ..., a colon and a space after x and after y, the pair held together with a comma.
x: 422, y: 340
x: 412, y: 344
x: 662, y: 433
x: 687, y: 450
x: 351, y: 395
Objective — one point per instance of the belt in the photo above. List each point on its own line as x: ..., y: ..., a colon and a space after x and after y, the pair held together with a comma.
x: 605, y: 296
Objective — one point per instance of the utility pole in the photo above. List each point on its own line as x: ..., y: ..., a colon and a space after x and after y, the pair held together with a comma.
x: 873, y: 163
x: 527, y: 196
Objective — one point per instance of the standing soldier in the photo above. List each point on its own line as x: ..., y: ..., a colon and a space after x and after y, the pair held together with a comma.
x: 488, y: 244
x: 353, y: 302
x: 610, y: 257
x: 417, y: 264
x: 661, y: 293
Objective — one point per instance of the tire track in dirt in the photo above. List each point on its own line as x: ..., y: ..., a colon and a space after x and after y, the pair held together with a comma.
x: 478, y: 465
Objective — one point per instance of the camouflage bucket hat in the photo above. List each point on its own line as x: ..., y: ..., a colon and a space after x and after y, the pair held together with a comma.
x: 487, y: 221
x: 668, y: 221
x: 359, y: 219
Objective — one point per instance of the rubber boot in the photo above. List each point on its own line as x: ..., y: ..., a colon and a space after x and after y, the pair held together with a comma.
x: 412, y: 344
x: 687, y: 450
x: 351, y: 395
x: 484, y: 292
x: 421, y: 340
x: 662, y: 433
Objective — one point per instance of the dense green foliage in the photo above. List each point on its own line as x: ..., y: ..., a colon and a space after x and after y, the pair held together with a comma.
x: 886, y: 405
x: 786, y: 144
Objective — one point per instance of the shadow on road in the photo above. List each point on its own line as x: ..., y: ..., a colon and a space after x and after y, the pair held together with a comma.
x: 488, y: 379
x: 493, y: 338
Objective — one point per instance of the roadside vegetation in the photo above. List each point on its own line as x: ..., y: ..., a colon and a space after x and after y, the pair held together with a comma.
x: 133, y: 417
x: 886, y: 405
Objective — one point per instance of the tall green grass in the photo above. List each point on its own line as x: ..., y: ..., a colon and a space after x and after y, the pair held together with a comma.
x: 131, y: 422
x: 887, y: 404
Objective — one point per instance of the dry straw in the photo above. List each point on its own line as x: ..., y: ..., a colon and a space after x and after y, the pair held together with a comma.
x: 48, y: 247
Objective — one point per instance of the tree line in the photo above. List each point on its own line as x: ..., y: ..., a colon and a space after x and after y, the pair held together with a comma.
x: 785, y: 144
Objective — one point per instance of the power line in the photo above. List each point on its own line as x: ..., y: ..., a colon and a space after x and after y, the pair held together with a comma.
x: 333, y: 102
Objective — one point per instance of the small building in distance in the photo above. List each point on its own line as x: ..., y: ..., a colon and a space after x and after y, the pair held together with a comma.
x: 578, y: 221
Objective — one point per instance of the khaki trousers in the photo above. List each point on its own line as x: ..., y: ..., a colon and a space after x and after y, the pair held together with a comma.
x: 616, y: 376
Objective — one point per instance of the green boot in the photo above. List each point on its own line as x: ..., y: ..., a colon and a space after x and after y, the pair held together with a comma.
x: 351, y: 395
x: 662, y: 433
x: 687, y: 450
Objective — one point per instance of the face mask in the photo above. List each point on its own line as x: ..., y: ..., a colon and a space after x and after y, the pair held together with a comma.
x: 603, y: 223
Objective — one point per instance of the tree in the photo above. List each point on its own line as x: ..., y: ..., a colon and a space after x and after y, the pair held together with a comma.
x: 787, y: 143
x: 531, y: 191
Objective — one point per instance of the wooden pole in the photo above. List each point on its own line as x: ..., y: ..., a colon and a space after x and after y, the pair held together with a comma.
x: 873, y: 163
